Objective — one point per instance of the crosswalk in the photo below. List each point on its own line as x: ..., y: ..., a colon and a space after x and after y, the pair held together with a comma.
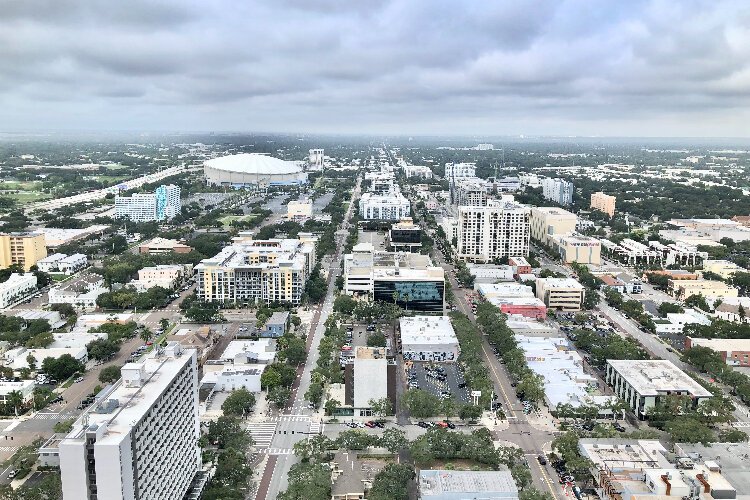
x: 278, y: 451
x: 263, y: 433
x: 316, y: 427
x: 741, y: 424
x: 8, y: 448
x: 52, y: 415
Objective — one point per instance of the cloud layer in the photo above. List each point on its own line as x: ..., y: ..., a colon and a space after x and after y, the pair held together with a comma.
x: 561, y: 67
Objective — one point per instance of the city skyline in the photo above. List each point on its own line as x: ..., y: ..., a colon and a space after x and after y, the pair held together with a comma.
x: 647, y: 69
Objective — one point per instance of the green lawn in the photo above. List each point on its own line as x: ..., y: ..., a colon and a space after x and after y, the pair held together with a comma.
x: 228, y: 219
x: 21, y: 185
x: 27, y: 196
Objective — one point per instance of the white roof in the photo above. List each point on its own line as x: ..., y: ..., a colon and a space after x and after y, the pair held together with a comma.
x: 253, y: 163
x: 427, y: 329
x: 656, y: 376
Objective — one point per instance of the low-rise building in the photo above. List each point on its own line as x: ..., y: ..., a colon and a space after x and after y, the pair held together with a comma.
x: 388, y: 206
x: 54, y: 318
x: 351, y: 478
x: 81, y: 294
x: 76, y: 339
x: 165, y: 276
x: 17, y: 357
x: 675, y: 322
x: 299, y: 210
x: 24, y: 387
x: 642, y: 384
x: 17, y: 287
x: 622, y: 283
x: 277, y: 325
x: 724, y: 268
x: 710, y: 289
x: 428, y: 338
x: 520, y: 265
x: 734, y: 309
x: 369, y: 375
x: 563, y: 294
x: 574, y: 247
x: 734, y: 352
x: 163, y: 245
x: 490, y: 273
x: 464, y: 484
x: 62, y: 263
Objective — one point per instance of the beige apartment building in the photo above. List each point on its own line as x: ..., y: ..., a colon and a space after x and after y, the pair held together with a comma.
x: 604, y: 203
x: 710, y: 289
x: 24, y: 249
x: 546, y: 222
x: 563, y: 294
x: 577, y: 248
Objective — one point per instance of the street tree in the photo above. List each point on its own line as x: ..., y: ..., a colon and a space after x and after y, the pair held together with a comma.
x: 239, y: 403
x: 109, y: 374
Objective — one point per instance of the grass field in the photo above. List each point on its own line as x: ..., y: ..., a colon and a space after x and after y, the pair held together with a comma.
x: 21, y: 185
x: 27, y: 196
x: 228, y: 219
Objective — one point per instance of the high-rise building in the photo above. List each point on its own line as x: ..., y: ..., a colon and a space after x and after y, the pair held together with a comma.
x: 558, y: 190
x: 604, y: 203
x: 23, y: 249
x: 457, y: 170
x: 163, y: 204
x: 250, y: 270
x: 499, y: 229
x: 315, y: 158
x: 140, y: 438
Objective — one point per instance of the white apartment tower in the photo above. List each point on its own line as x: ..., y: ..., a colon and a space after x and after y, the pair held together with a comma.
x: 458, y: 170
x: 163, y: 204
x: 499, y: 229
x: 140, y: 439
x: 315, y: 158
x: 558, y: 190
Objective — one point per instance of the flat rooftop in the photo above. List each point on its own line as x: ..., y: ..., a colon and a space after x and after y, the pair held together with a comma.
x: 427, y: 329
x: 132, y: 402
x: 462, y: 484
x: 722, y: 345
x: 565, y: 283
x: 654, y: 377
x: 504, y: 290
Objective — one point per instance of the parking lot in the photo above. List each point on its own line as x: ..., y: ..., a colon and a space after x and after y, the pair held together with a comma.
x: 439, y: 379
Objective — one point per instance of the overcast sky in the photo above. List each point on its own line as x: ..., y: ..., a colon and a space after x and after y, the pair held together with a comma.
x: 558, y: 67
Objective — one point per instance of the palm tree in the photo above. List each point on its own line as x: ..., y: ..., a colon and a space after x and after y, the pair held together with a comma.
x: 15, y: 399
x: 146, y: 334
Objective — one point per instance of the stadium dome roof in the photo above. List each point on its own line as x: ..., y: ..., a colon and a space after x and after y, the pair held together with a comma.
x: 253, y: 163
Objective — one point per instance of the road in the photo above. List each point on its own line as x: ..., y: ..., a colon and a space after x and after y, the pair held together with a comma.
x: 298, y: 421
x: 531, y: 440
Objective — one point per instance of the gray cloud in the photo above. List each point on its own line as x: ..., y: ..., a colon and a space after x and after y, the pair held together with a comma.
x: 387, y: 66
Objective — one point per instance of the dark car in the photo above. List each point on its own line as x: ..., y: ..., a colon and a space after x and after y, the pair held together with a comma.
x: 423, y: 424
x: 450, y: 424
x: 542, y: 459
x: 618, y: 427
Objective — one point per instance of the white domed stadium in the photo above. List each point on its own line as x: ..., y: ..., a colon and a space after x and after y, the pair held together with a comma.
x: 252, y: 170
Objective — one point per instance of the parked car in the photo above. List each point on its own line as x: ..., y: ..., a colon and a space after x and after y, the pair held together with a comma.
x: 618, y: 427
x: 450, y: 424
x: 423, y: 424
x: 79, y: 379
x: 542, y: 460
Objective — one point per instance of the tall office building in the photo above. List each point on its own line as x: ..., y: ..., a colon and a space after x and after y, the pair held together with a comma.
x: 547, y: 222
x: 24, y: 249
x: 499, y: 229
x: 140, y: 439
x: 163, y: 204
x: 315, y: 158
x: 558, y: 190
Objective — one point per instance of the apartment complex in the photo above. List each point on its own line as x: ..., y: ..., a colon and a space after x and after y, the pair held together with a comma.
x: 62, y: 263
x: 499, y: 229
x: 456, y: 170
x: 390, y: 206
x: 604, y: 203
x: 23, y: 249
x: 724, y: 268
x: 563, y: 294
x: 710, y: 289
x: 408, y: 278
x: 16, y: 287
x: 139, y: 440
x: 470, y: 191
x: 642, y: 384
x: 558, y: 190
x: 163, y: 204
x: 546, y: 222
x: 251, y: 270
